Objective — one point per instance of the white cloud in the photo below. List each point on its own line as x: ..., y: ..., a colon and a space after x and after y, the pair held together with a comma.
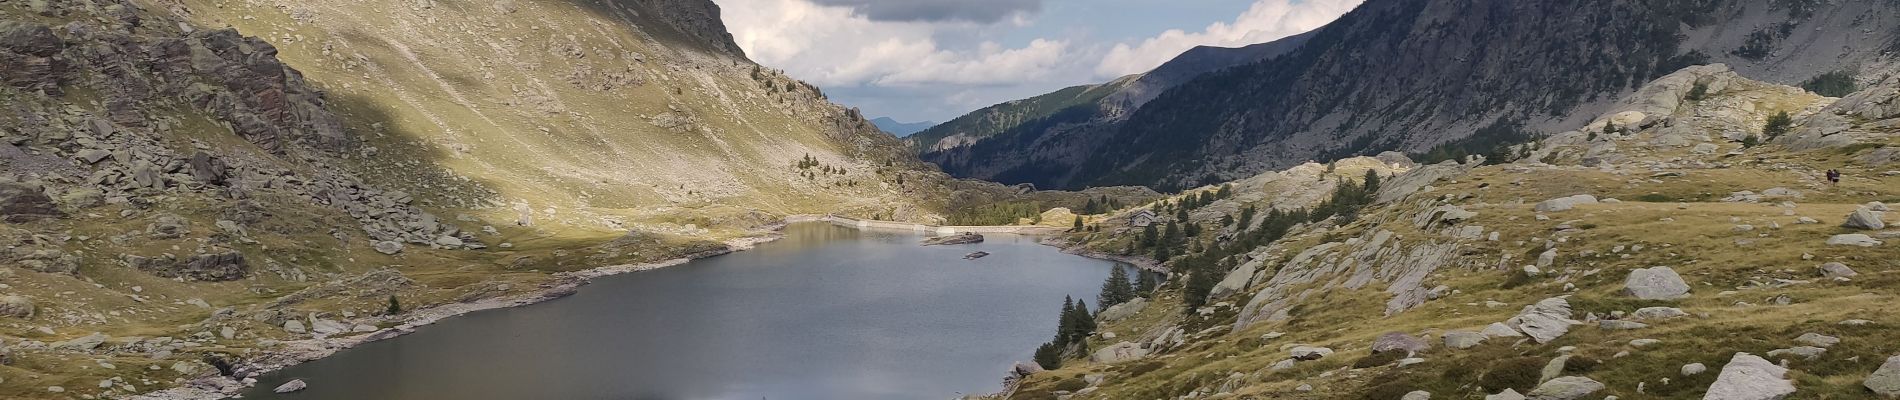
x: 1265, y: 21
x: 837, y: 46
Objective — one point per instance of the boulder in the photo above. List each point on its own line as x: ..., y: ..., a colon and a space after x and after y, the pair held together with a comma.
x: 1235, y: 281
x: 1465, y: 339
x: 1805, y: 352
x: 388, y: 247
x: 16, y: 306
x: 1309, y: 353
x: 30, y: 39
x: 1124, y: 310
x: 1837, y: 270
x: 1566, y: 388
x: 208, y: 169
x: 1853, y: 239
x: 1553, y: 369
x: 1817, y: 340
x: 1417, y: 395
x: 1564, y: 203
x: 1658, y: 313
x: 961, y: 238
x: 1025, y: 369
x: 1885, y: 381
x: 1399, y: 341
x: 1507, y: 394
x: 1864, y: 219
x: 1877, y: 206
x: 21, y: 203
x: 294, y: 326
x: 1545, y: 321
x: 83, y: 343
x: 1692, y: 369
x: 228, y: 265
x: 1655, y: 283
x: 1499, y: 329
x: 1119, y: 352
x: 1748, y: 377
x: 292, y: 386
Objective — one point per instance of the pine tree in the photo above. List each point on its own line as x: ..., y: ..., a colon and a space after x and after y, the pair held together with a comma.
x: 1084, y: 322
x: 1246, y: 218
x: 1116, y: 289
x: 1148, y: 236
x: 1049, y: 356
x: 1078, y: 223
x: 1065, y: 324
x: 1226, y: 191
x: 1372, y: 182
x: 1161, y: 254
x: 394, y: 306
x: 1145, y: 282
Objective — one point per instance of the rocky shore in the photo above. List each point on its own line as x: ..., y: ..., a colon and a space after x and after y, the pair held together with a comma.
x: 290, y: 353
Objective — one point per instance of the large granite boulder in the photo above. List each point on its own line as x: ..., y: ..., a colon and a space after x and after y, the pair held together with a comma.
x: 1566, y: 388
x: 1748, y: 377
x: 1399, y: 341
x: 1565, y: 203
x: 1545, y: 321
x: 1119, y: 352
x: 1864, y: 218
x: 1885, y: 382
x: 1656, y: 283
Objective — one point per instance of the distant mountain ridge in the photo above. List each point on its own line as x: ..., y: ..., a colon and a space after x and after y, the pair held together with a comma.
x: 1409, y: 75
x: 901, y: 129
x: 1111, y: 100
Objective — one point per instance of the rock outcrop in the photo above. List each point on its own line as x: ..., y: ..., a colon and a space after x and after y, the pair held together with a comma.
x: 1655, y: 283
x: 1748, y: 377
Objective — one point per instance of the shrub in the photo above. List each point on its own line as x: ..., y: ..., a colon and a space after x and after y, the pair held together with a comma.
x: 1778, y: 125
x: 1699, y: 91
x: 1378, y: 359
x: 1517, y: 373
x: 1832, y: 84
x: 1518, y: 278
x: 1655, y: 198
x: 1579, y: 365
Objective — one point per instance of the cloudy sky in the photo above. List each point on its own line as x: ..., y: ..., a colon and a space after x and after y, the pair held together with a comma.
x: 918, y: 60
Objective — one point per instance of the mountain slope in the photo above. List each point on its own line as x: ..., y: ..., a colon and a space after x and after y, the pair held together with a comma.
x: 900, y: 129
x: 1107, y: 101
x: 1466, y: 280
x: 1408, y: 75
x: 193, y: 192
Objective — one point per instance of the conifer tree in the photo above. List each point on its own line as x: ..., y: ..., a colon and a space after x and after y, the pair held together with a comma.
x: 1078, y: 223
x: 1049, y: 356
x: 1372, y: 182
x: 1145, y: 282
x: 1065, y: 324
x: 394, y: 306
x: 1116, y: 290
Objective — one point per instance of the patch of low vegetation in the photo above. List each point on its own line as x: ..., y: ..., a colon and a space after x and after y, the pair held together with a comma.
x: 1832, y: 84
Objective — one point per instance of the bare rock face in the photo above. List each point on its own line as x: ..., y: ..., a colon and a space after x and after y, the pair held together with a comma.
x: 220, y: 266
x: 1886, y: 380
x: 1545, y: 321
x: 21, y: 203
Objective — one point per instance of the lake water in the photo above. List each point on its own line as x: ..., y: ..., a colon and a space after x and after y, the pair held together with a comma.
x: 825, y: 313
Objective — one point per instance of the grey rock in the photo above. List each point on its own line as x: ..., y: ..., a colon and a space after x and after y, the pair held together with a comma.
x: 1837, y: 270
x: 1805, y: 352
x: 388, y: 247
x: 1692, y: 369
x: 1566, y: 388
x: 20, y: 203
x: 16, y: 306
x: 1417, y: 395
x: 1655, y: 283
x: 1564, y: 203
x: 1235, y: 281
x: 1553, y: 369
x: 1885, y: 381
x: 1864, y: 219
x: 1545, y: 321
x: 1398, y: 341
x: 1309, y: 353
x: 1853, y: 239
x: 83, y: 343
x: 1465, y: 339
x: 1817, y: 340
x: 1507, y: 394
x: 961, y: 238
x: 295, y: 326
x: 1658, y: 313
x: 292, y: 386
x: 1124, y: 310
x: 1499, y: 329
x: 1119, y: 352
x: 1748, y: 377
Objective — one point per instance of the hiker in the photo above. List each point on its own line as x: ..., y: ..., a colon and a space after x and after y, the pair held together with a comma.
x: 1833, y: 176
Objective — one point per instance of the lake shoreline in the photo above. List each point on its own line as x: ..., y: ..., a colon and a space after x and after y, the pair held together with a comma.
x: 292, y: 353
x: 297, y: 352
